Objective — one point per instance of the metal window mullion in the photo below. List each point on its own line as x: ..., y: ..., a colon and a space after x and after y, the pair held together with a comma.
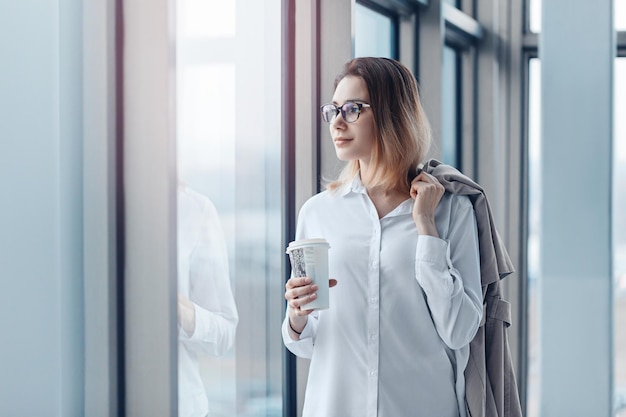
x: 515, y: 288
x: 151, y: 335
x: 429, y: 74
x: 290, y: 394
x: 336, y: 36
x: 103, y: 230
x: 621, y: 43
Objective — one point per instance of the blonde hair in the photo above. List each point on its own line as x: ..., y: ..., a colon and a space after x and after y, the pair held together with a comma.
x: 402, y: 130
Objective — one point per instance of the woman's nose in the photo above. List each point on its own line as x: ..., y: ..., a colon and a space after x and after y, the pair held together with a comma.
x: 338, y: 121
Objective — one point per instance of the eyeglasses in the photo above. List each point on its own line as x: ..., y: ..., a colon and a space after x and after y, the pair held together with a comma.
x: 350, y: 111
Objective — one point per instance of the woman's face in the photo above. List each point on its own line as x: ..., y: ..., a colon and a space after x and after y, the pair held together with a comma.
x: 353, y: 140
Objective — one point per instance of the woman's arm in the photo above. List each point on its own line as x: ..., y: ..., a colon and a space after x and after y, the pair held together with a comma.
x: 449, y: 272
x: 210, y: 309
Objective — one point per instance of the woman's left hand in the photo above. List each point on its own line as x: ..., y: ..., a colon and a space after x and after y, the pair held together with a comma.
x: 427, y: 192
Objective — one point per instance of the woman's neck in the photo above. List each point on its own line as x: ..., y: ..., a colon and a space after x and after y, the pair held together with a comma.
x: 367, y: 179
x: 385, y: 200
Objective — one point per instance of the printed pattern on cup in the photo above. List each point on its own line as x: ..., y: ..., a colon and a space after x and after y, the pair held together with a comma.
x: 298, y: 262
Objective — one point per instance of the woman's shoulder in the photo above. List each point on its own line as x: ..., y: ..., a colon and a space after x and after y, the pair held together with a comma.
x: 455, y: 206
x: 460, y: 202
x: 191, y: 201
x: 318, y: 200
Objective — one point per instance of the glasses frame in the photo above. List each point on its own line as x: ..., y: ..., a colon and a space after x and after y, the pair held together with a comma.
x: 340, y: 109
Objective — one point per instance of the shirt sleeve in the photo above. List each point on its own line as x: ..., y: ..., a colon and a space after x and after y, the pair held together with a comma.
x: 449, y: 273
x: 304, y: 346
x: 216, y: 315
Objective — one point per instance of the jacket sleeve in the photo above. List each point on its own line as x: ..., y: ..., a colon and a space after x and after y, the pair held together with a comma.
x: 448, y: 270
x: 209, y: 290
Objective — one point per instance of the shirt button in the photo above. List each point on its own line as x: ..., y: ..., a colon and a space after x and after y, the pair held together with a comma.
x: 372, y: 336
x: 373, y: 300
x: 372, y: 373
x: 374, y: 264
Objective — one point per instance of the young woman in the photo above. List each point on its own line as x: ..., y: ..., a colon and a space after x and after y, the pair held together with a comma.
x: 407, y: 300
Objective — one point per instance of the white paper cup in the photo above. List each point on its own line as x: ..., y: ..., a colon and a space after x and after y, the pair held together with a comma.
x: 309, y: 258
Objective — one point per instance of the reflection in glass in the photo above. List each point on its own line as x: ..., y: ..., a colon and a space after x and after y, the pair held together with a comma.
x: 450, y: 152
x: 207, y: 316
x: 619, y: 236
x: 374, y: 33
x: 533, y: 242
x: 229, y: 151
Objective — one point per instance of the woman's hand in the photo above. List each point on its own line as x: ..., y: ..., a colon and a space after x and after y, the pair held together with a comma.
x: 427, y: 192
x: 298, y: 292
x: 186, y: 314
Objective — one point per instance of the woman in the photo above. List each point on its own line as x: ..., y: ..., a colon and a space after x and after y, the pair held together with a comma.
x: 207, y: 314
x: 407, y: 300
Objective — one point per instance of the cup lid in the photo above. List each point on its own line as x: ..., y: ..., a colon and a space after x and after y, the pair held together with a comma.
x: 307, y: 242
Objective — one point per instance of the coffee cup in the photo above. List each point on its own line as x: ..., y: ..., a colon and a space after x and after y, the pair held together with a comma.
x: 309, y: 258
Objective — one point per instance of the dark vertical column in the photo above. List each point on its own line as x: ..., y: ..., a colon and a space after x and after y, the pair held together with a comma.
x: 288, y: 178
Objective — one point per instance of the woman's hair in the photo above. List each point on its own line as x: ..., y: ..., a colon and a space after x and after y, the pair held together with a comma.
x: 402, y: 129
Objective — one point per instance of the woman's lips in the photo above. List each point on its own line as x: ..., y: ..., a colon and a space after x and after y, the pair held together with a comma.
x: 341, y: 141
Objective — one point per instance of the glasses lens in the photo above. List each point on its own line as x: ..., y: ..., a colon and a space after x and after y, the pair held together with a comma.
x: 329, y: 112
x: 350, y: 112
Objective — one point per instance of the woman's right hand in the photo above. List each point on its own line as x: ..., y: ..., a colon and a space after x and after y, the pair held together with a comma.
x: 298, y: 292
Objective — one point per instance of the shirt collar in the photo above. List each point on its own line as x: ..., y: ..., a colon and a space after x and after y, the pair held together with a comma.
x: 355, y: 186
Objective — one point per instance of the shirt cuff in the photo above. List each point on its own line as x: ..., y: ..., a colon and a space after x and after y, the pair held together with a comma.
x: 203, y: 323
x: 432, y: 250
x: 433, y: 267
x: 307, y: 332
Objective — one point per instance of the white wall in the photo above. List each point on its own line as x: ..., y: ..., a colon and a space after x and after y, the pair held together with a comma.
x: 41, y: 313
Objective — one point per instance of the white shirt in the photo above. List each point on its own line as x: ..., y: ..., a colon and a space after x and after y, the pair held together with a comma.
x: 203, y: 278
x: 395, y: 340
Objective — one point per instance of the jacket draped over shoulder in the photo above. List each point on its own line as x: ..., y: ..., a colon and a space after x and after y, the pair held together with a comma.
x: 490, y: 383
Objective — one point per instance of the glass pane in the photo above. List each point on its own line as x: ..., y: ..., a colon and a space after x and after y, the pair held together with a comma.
x: 534, y: 15
x: 533, y: 248
x: 374, y: 33
x: 450, y: 115
x: 230, y: 279
x: 620, y: 14
x: 619, y: 236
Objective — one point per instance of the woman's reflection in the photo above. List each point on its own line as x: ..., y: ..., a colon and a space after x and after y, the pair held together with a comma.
x: 207, y: 316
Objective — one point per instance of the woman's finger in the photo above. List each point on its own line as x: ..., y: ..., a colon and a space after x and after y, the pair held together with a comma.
x: 300, y: 291
x: 295, y: 282
x: 297, y: 303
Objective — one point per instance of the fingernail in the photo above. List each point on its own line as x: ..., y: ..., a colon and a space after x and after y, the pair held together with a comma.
x: 315, y: 287
x: 308, y: 280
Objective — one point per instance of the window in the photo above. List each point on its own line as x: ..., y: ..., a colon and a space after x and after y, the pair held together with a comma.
x: 450, y: 132
x: 534, y: 15
x: 619, y: 237
x: 533, y: 241
x: 229, y: 150
x: 533, y: 382
x: 620, y: 15
x: 376, y: 32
